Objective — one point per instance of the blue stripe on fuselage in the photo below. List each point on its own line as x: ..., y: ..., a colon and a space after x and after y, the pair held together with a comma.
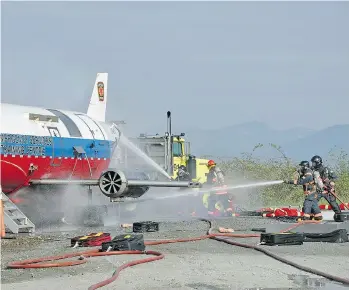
x: 13, y: 144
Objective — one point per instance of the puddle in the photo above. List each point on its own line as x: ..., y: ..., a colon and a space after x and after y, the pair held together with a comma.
x: 316, y: 283
x: 278, y: 288
x: 304, y: 282
x: 204, y: 286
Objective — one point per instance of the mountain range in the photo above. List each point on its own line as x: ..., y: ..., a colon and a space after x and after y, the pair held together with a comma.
x: 296, y: 143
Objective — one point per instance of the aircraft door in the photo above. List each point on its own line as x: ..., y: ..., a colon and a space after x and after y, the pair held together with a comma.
x: 93, y: 127
x: 57, y: 146
x: 97, y: 134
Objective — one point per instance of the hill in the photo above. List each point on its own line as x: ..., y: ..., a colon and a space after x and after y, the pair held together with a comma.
x: 297, y: 143
x: 320, y: 142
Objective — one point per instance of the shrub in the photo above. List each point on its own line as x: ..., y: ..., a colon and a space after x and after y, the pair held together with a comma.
x: 254, y: 168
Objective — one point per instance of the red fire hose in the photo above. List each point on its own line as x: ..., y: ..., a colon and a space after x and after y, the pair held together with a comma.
x: 38, y: 263
x: 335, y: 195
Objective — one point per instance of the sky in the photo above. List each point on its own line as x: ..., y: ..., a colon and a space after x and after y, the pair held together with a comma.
x: 213, y: 64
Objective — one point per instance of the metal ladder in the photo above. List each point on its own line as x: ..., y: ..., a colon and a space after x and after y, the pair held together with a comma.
x: 15, y: 220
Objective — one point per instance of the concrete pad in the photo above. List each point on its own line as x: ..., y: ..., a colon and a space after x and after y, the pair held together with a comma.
x: 327, y: 215
x: 205, y: 264
x: 308, y: 228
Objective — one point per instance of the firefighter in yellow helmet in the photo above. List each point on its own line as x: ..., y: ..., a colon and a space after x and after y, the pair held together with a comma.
x: 219, y: 198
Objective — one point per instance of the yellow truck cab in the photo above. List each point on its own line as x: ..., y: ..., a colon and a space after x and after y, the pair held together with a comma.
x: 181, y: 156
x: 170, y: 151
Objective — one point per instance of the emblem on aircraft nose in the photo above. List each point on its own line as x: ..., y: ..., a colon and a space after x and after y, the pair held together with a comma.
x: 100, y: 88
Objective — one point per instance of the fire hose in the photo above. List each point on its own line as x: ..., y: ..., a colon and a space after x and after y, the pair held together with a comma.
x: 335, y: 196
x: 38, y: 263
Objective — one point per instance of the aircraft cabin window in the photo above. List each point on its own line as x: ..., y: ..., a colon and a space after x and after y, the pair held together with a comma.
x: 177, y: 149
x: 69, y: 123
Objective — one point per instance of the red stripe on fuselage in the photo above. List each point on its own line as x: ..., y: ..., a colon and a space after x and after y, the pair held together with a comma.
x: 15, y: 169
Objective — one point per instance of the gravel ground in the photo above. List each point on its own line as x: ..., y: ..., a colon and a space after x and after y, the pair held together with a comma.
x: 204, y: 264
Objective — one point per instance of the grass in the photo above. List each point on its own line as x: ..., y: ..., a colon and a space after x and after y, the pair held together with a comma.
x: 253, y: 168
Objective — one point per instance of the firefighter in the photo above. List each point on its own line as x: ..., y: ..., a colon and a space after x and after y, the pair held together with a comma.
x: 306, y: 178
x: 327, y: 184
x: 215, y: 178
x: 183, y: 174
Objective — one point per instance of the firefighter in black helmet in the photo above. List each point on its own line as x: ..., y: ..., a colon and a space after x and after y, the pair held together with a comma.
x: 327, y: 184
x: 306, y: 178
x: 183, y: 174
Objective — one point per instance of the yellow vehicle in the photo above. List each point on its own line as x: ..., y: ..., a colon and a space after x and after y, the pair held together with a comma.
x: 169, y: 151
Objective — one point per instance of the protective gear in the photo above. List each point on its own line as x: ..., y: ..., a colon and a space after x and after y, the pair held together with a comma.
x: 215, y: 176
x: 304, y: 164
x: 306, y: 179
x: 318, y: 181
x: 318, y: 218
x: 303, y: 167
x: 289, y: 181
x: 219, y: 198
x: 183, y: 174
x: 316, y: 161
x: 211, y: 163
x: 311, y: 206
x: 218, y: 205
x: 327, y: 177
x: 331, y: 199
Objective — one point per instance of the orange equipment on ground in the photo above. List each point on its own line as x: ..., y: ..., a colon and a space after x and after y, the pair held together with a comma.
x: 342, y: 206
x: 2, y: 222
x: 282, y: 212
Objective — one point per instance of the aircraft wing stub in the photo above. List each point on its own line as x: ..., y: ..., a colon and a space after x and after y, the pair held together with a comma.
x: 114, y: 184
x: 131, y: 182
x: 65, y: 182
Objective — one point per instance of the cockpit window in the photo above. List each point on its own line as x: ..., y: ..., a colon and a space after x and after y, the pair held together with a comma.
x: 177, y: 149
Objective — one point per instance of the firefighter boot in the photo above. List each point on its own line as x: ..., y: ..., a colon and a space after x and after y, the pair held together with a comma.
x: 214, y: 214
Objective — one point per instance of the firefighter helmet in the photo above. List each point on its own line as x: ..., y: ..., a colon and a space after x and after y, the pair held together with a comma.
x: 210, y: 163
x: 316, y: 161
x: 303, y: 166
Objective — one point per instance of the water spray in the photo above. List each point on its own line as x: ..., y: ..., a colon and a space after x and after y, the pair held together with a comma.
x: 255, y: 184
x: 207, y: 190
x: 126, y: 142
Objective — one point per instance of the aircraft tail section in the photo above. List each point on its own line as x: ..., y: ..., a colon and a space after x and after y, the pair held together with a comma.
x: 98, y: 103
